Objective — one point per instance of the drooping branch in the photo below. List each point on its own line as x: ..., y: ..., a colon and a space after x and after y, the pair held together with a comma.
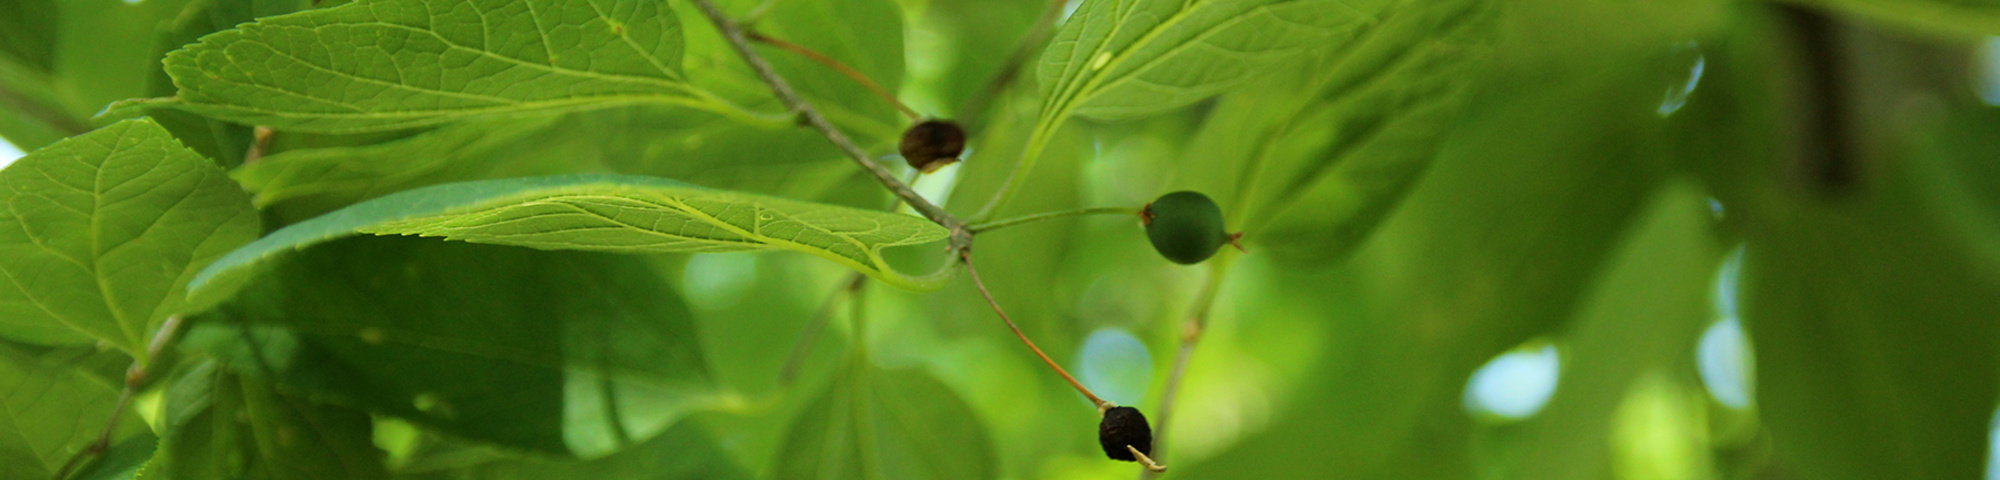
x: 731, y: 31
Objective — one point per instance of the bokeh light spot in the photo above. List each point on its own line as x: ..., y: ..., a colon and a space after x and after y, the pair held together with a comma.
x: 1516, y: 384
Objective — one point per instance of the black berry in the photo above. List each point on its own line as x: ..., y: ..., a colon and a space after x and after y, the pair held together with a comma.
x: 932, y: 144
x: 1124, y: 426
x: 1185, y: 227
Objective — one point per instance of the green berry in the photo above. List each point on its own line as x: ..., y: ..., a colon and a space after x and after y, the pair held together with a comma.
x: 1186, y: 227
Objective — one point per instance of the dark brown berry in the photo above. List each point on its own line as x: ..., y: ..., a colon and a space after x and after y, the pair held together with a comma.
x: 932, y: 144
x: 1124, y: 426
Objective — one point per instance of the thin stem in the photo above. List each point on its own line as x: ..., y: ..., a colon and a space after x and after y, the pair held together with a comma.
x: 1151, y: 466
x: 136, y: 377
x: 607, y: 389
x: 998, y: 224
x: 960, y: 238
x: 850, y: 72
x: 1101, y: 403
x: 260, y: 142
x: 815, y: 328
x: 1190, y: 336
x: 1037, y: 141
x: 973, y: 112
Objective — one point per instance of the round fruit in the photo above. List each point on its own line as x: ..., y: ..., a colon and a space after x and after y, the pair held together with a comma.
x: 1124, y: 426
x: 932, y: 144
x: 1185, y: 227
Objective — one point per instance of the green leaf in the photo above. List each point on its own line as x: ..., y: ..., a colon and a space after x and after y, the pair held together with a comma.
x: 1350, y: 152
x: 27, y: 32
x: 122, y: 461
x: 858, y: 32
x: 562, y: 352
x: 1872, y: 325
x: 1961, y: 19
x: 990, y: 28
x: 352, y: 174
x: 1127, y: 58
x: 605, y: 213
x: 49, y: 412
x: 696, y: 147
x: 685, y: 452
x: 221, y: 425
x: 220, y: 140
x: 886, y: 424
x: 1644, y: 311
x: 1383, y: 109
x: 388, y: 64
x: 1495, y: 244
x: 864, y: 34
x: 103, y: 231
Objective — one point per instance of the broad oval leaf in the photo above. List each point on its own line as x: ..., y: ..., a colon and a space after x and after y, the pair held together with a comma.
x: 696, y: 147
x: 387, y: 64
x: 889, y: 425
x: 604, y: 213
x: 688, y: 451
x: 1127, y: 58
x: 1378, y: 115
x: 49, y: 411
x: 222, y: 425
x: 101, y: 233
x: 1872, y: 324
x: 558, y: 352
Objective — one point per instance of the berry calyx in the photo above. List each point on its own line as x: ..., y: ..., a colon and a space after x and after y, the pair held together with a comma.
x: 1186, y: 227
x: 932, y: 144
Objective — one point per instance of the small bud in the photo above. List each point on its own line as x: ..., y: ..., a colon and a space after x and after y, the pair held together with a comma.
x: 1124, y: 426
x: 932, y: 144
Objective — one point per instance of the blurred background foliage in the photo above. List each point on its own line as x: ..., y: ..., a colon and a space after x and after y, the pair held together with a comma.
x: 1641, y: 240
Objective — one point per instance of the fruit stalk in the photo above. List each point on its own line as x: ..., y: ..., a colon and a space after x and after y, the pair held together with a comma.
x: 1102, y: 405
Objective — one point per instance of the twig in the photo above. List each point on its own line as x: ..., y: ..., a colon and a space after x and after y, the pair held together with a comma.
x: 260, y: 141
x: 1190, y: 335
x: 974, y: 109
x: 960, y: 237
x: 966, y: 257
x: 136, y: 377
x: 998, y: 224
x: 830, y: 62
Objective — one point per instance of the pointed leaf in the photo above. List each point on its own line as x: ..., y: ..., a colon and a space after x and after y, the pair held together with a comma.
x: 386, y: 64
x: 1870, y: 321
x: 1127, y: 58
x: 890, y: 425
x: 221, y: 425
x: 48, y: 412
x: 696, y: 147
x: 685, y: 452
x: 101, y: 233
x: 558, y: 352
x: 604, y: 213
